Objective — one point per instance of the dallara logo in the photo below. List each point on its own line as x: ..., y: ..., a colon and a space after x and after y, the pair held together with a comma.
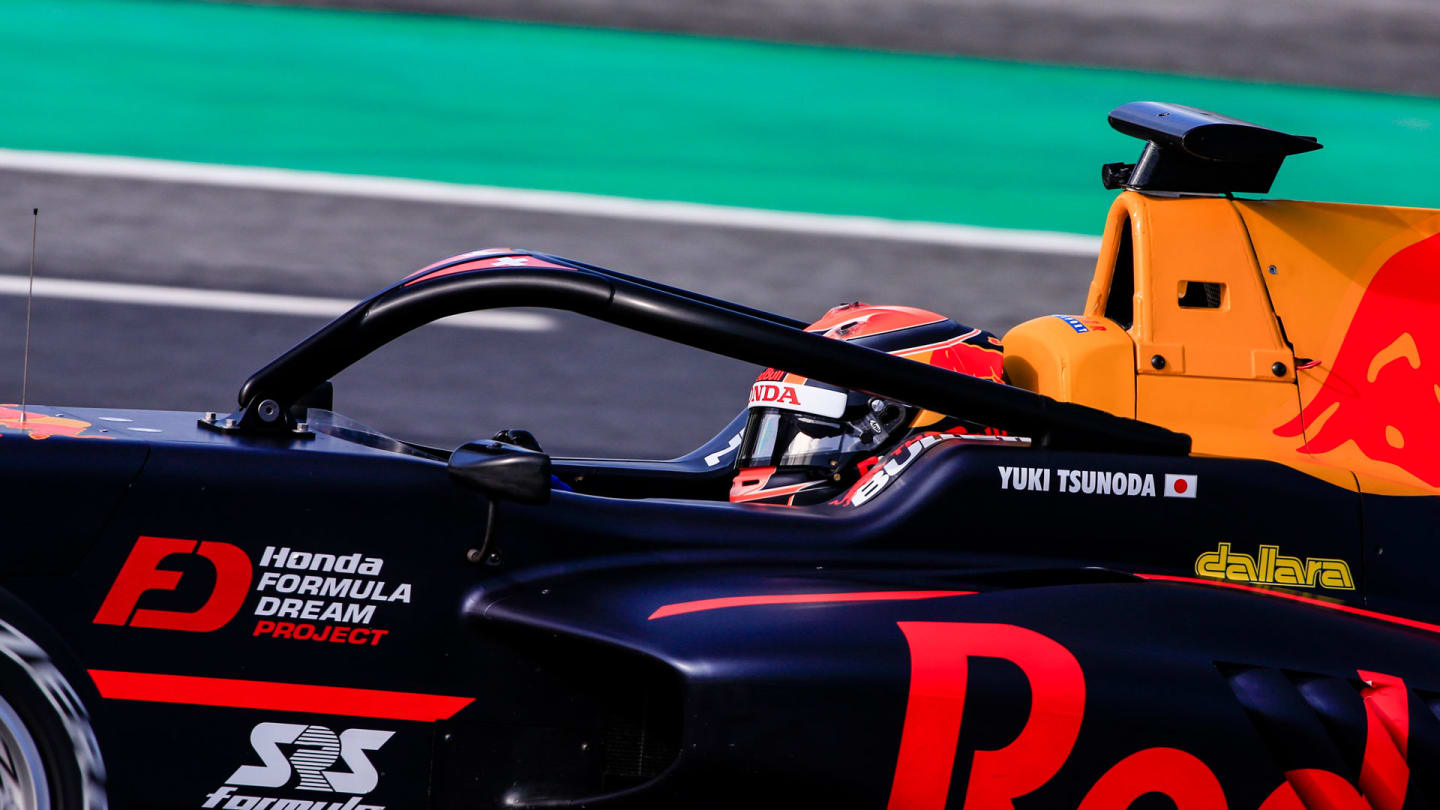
x: 1270, y: 567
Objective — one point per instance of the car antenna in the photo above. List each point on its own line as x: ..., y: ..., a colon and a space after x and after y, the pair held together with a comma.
x: 29, y: 300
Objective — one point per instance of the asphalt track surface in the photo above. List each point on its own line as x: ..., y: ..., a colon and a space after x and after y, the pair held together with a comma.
x: 585, y: 388
x: 1369, y: 44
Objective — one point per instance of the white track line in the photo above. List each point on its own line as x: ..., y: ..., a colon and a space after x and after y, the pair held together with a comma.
x: 233, y: 301
x: 559, y: 202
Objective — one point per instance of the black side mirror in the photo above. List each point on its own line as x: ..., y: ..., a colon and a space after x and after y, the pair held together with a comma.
x: 502, y: 471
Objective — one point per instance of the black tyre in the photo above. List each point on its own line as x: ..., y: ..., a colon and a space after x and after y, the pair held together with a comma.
x: 49, y: 759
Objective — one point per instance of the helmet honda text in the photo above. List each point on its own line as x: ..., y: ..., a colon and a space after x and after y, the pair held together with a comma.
x: 806, y: 441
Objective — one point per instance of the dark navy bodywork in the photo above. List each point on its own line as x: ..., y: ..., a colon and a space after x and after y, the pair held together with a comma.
x: 642, y: 642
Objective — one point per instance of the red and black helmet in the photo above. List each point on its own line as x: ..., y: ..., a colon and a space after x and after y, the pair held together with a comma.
x: 806, y: 441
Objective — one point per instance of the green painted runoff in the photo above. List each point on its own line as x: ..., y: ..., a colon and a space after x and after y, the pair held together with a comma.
x: 658, y: 116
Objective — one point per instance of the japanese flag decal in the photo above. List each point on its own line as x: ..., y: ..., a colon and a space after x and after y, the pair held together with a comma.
x: 1180, y: 486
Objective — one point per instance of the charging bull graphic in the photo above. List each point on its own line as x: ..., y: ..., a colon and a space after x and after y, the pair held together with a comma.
x: 965, y: 354
x: 1383, y: 390
x: 43, y: 426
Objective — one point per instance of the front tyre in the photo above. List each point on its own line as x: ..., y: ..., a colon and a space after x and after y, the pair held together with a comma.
x: 24, y: 781
x: 49, y: 758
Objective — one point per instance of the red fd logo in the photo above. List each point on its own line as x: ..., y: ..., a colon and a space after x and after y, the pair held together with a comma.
x: 142, y: 573
x: 769, y: 392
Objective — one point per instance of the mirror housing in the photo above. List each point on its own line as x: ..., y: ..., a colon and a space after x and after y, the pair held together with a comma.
x: 502, y: 471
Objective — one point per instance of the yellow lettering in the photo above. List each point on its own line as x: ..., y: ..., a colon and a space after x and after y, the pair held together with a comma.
x: 1335, y: 574
x: 1289, y: 572
x: 1241, y: 568
x: 1270, y: 567
x: 1267, y: 562
x: 1212, y: 563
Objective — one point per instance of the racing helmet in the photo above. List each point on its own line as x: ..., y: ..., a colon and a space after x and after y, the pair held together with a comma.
x: 805, y: 441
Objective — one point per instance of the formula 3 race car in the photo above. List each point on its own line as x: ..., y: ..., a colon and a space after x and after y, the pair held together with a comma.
x: 1201, y: 583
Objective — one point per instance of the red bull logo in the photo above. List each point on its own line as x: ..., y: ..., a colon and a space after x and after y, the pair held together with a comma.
x: 1383, y: 390
x: 926, y: 776
x: 43, y: 426
x: 958, y: 354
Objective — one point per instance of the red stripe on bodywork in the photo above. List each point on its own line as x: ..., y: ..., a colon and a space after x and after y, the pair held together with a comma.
x: 1369, y: 614
x: 286, y: 697
x: 798, y: 599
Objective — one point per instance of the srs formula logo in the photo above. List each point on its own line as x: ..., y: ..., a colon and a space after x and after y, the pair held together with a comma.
x: 333, y: 598
x: 297, y: 757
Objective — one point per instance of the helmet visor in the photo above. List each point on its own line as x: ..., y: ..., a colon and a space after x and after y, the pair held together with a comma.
x: 787, y: 438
